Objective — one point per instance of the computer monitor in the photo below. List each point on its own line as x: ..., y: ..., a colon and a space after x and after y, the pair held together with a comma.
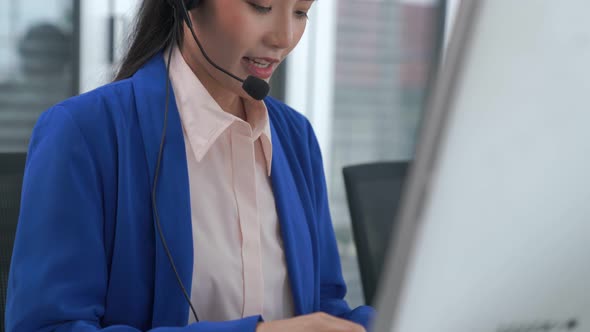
x: 494, y: 228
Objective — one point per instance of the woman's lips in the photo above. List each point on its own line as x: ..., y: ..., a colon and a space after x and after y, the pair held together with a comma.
x: 263, y: 73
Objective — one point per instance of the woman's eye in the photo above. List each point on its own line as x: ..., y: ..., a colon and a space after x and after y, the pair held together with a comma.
x: 301, y: 14
x: 260, y: 9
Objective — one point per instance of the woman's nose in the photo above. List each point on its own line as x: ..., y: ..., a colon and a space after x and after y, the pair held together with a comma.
x: 281, y: 34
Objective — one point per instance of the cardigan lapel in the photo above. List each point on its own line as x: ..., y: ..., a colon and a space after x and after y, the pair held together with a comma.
x: 173, y: 201
x: 295, y: 232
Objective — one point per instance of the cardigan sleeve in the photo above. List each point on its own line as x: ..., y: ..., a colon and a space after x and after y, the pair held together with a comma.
x: 59, y: 276
x: 332, y: 286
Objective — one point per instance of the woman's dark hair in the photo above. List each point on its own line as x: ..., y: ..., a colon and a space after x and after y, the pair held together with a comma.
x: 153, y: 31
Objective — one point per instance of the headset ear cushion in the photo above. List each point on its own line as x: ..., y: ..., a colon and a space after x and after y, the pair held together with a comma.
x: 191, y: 4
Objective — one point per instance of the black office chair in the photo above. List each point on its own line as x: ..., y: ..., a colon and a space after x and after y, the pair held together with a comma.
x: 12, y: 167
x: 373, y: 192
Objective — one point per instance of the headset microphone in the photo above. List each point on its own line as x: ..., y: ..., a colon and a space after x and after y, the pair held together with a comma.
x: 255, y: 87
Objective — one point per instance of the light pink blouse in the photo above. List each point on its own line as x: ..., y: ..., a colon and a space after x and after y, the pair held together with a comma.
x: 239, y: 263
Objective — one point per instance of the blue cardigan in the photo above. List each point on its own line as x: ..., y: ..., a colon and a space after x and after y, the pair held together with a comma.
x: 86, y: 257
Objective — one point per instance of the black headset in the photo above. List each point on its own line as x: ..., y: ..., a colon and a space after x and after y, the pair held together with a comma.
x: 254, y: 86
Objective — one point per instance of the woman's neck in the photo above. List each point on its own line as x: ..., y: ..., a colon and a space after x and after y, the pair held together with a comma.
x: 227, y: 100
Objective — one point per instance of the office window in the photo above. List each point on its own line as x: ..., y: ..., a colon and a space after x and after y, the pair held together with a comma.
x: 383, y: 61
x: 37, y: 64
x: 360, y: 75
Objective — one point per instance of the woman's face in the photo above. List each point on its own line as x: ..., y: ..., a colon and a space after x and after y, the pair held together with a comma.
x: 245, y: 37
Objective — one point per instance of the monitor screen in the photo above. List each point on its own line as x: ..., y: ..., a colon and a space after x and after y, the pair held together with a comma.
x: 494, y: 226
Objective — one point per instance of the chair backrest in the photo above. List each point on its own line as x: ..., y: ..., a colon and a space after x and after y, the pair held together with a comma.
x: 12, y: 167
x: 373, y: 192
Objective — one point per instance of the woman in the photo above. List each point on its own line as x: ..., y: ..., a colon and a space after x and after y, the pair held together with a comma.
x: 172, y: 199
